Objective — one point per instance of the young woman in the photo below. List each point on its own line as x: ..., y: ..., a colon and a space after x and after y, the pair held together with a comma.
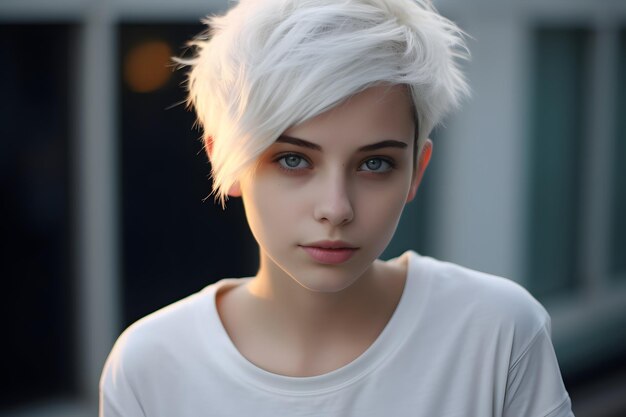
x: 317, y: 114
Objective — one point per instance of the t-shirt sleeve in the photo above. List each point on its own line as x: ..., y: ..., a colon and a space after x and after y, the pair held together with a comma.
x: 117, y: 396
x: 534, y: 384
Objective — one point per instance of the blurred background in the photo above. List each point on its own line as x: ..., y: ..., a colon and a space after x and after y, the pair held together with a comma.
x: 104, y: 184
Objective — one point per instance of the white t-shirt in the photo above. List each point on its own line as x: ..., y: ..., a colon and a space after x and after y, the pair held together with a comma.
x: 460, y: 343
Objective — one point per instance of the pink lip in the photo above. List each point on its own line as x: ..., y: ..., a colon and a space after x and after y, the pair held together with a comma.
x: 330, y: 252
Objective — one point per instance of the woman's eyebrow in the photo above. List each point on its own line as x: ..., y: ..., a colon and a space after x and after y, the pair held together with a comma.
x: 383, y: 144
x: 298, y: 142
x: 372, y: 147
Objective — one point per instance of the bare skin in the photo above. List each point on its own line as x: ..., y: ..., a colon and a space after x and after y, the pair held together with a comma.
x: 300, y: 317
x: 314, y: 339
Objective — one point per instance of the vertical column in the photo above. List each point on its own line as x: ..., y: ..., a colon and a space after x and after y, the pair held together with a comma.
x: 96, y: 169
x: 480, y: 194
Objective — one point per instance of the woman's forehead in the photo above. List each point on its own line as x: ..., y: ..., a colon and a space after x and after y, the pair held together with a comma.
x: 377, y: 113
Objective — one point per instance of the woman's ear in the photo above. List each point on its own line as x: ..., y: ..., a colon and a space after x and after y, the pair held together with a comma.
x: 208, y: 146
x: 423, y: 161
x: 235, y: 190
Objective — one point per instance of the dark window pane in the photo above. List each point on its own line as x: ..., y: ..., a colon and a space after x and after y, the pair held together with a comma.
x: 174, y: 243
x: 618, y: 207
x: 414, y: 230
x: 558, y: 121
x: 35, y: 266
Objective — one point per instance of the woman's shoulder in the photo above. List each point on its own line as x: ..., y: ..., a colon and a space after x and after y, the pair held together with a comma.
x: 173, y: 328
x: 172, y: 318
x: 464, y: 292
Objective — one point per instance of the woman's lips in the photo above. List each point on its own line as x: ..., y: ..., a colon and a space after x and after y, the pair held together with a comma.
x: 331, y: 256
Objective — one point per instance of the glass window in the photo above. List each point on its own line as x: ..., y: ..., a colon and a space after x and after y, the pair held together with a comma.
x: 558, y: 126
x: 175, y: 240
x: 36, y: 265
x: 618, y: 206
x: 414, y: 229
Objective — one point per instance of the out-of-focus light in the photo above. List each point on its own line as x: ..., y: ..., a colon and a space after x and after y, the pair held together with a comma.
x: 147, y: 66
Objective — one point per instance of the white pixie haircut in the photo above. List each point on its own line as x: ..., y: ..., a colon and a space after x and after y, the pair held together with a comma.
x: 267, y: 65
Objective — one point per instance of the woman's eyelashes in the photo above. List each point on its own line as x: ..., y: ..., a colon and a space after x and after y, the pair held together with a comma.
x: 294, y: 163
x: 377, y: 165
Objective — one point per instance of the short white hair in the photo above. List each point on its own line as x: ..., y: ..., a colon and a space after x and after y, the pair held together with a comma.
x: 267, y: 65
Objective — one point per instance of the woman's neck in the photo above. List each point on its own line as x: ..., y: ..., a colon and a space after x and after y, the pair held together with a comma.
x: 283, y: 327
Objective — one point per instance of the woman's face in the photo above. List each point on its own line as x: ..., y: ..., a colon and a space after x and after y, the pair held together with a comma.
x: 326, y: 197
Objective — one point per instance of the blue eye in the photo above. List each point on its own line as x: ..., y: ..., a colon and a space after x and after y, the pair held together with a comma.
x: 376, y: 165
x: 292, y: 162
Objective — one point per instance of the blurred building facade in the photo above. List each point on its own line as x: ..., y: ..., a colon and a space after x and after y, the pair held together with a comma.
x: 105, y: 181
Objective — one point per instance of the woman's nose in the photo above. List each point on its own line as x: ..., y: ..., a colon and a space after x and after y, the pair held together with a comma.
x: 333, y: 204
